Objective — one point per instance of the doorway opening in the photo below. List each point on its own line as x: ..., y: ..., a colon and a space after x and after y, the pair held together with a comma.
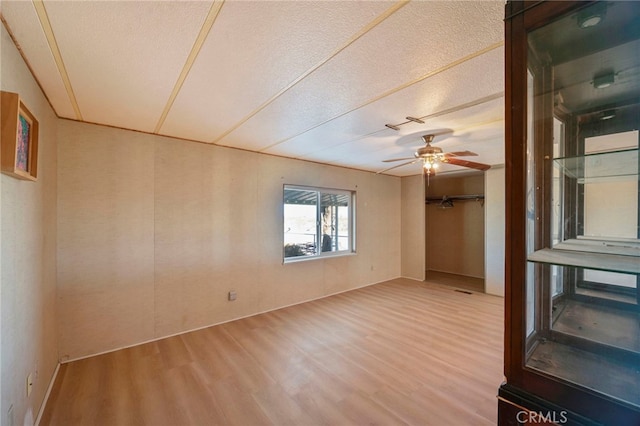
x: 455, y: 231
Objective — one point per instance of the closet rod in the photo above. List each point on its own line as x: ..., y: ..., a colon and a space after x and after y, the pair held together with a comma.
x: 472, y: 197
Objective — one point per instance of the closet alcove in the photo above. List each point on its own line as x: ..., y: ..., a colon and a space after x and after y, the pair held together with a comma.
x: 455, y: 230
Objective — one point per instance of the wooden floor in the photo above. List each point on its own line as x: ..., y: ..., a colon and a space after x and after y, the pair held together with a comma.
x: 400, y: 352
x: 455, y: 280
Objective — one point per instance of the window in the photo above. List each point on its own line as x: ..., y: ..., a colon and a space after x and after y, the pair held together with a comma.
x: 317, y: 222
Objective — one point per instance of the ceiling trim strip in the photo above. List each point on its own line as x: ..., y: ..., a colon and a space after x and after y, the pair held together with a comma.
x: 394, y: 90
x: 26, y: 61
x: 195, y: 51
x: 466, y: 105
x: 454, y: 109
x: 43, y: 17
x: 364, y: 30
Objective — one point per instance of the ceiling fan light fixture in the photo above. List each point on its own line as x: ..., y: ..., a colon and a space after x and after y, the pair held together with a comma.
x: 427, y: 139
x: 429, y: 157
x: 430, y: 162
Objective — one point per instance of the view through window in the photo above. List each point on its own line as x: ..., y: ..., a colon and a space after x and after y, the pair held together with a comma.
x: 317, y: 222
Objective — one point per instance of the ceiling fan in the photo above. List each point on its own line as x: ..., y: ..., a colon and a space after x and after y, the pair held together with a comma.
x: 431, y: 156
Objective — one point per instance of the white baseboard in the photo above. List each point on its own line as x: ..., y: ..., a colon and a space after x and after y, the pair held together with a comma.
x: 66, y: 360
x: 46, y: 395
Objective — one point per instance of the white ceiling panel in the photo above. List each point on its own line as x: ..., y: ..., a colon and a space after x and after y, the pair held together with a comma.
x: 315, y: 80
x: 369, y: 153
x: 25, y: 27
x: 409, y: 44
x: 466, y: 129
x: 124, y: 57
x: 256, y: 49
x: 434, y: 95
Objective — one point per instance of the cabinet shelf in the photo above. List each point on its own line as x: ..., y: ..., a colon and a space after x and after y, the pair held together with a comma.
x: 616, y: 246
x: 601, y: 166
x: 581, y: 259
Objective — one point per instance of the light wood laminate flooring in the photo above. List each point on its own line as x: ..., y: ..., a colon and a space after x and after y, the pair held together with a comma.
x: 455, y: 280
x: 399, y: 352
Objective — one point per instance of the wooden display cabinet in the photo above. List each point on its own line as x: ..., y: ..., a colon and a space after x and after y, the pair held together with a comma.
x: 572, y: 317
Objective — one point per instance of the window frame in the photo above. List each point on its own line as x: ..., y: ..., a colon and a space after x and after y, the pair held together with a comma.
x: 319, y: 254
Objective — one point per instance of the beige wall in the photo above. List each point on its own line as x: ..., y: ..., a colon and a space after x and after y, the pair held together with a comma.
x: 28, y: 258
x: 494, y: 230
x: 455, y: 236
x: 412, y: 230
x: 153, y: 232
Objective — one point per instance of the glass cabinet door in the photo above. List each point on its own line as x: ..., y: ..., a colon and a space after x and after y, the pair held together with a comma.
x: 582, y: 287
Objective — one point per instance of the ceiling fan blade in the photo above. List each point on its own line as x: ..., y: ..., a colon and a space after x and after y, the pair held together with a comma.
x: 399, y: 165
x: 398, y: 159
x: 461, y: 154
x: 465, y: 163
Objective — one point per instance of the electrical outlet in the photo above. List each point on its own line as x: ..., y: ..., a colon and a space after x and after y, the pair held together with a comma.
x: 232, y: 295
x: 29, y: 384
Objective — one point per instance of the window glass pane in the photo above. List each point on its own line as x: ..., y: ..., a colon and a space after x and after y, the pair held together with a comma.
x: 531, y: 209
x: 317, y: 222
x: 334, y: 215
x: 556, y: 204
x: 300, y: 219
x: 611, y: 202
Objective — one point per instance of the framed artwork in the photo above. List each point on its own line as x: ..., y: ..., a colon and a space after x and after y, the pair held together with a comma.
x: 19, y: 144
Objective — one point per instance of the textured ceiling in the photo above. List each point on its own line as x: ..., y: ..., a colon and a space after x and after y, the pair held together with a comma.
x: 314, y: 80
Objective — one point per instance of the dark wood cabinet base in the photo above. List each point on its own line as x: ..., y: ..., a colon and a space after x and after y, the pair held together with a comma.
x: 517, y: 407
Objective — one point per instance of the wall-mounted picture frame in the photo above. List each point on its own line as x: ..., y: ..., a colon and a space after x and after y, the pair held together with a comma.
x: 19, y: 138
